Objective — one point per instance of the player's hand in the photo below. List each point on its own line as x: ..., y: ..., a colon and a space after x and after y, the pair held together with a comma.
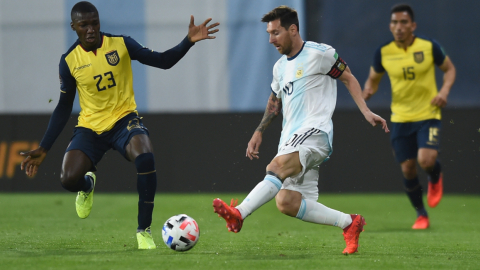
x: 366, y: 94
x: 33, y: 159
x: 440, y: 100
x: 254, y: 145
x: 374, y: 119
x: 202, y: 31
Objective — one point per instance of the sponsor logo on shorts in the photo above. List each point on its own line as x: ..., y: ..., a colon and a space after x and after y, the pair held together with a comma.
x: 433, y: 133
x: 133, y: 124
x: 300, y: 138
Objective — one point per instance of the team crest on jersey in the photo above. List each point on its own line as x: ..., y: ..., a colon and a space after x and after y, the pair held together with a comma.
x: 112, y: 58
x: 418, y: 57
x: 299, y: 72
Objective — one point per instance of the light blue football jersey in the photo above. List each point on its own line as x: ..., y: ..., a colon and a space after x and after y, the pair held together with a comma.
x: 307, y: 90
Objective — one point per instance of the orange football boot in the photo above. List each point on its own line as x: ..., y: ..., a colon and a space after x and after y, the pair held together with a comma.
x: 421, y: 223
x: 435, y: 192
x: 231, y: 214
x: 352, y: 232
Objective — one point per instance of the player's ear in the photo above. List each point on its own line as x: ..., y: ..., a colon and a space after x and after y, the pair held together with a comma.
x: 414, y: 26
x: 71, y: 25
x: 292, y: 29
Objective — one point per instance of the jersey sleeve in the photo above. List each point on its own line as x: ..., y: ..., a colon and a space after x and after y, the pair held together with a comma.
x: 377, y: 61
x: 163, y: 60
x: 439, y: 54
x: 331, y: 64
x: 275, y: 86
x: 62, y: 112
x: 67, y: 81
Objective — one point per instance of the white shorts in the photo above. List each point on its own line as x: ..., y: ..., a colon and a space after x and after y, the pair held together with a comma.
x: 313, y: 148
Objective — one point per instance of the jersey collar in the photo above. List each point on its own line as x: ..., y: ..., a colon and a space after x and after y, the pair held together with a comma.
x: 293, y: 57
x: 94, y: 51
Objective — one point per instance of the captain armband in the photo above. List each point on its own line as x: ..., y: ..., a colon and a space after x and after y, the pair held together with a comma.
x: 338, y: 68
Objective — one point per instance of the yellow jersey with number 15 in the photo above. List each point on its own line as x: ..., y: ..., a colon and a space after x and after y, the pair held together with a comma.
x: 412, y: 76
x: 104, y: 81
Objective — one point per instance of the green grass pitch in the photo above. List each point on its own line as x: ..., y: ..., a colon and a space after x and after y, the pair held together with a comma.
x: 42, y: 231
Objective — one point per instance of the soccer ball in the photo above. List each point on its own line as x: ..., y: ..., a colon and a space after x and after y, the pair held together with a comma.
x: 180, y: 232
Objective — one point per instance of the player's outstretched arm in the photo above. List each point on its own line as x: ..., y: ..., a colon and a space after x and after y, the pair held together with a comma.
x: 356, y: 92
x: 448, y: 79
x: 32, y: 160
x: 274, y: 107
x: 202, y: 31
x: 371, y: 85
x: 57, y: 122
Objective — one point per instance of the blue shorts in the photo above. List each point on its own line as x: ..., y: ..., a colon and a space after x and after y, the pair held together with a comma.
x: 407, y: 138
x: 95, y: 145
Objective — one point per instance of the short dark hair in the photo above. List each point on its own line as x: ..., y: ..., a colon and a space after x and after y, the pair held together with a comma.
x: 403, y: 8
x: 83, y: 7
x: 287, y: 16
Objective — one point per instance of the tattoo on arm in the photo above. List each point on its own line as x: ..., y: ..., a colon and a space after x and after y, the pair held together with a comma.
x: 274, y: 107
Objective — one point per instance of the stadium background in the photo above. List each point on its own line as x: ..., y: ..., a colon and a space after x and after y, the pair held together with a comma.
x: 202, y: 112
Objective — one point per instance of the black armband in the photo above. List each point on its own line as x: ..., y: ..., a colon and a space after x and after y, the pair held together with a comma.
x: 337, y: 69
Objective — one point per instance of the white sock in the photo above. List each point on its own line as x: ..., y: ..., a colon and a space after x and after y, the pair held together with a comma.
x: 261, y: 194
x: 316, y: 212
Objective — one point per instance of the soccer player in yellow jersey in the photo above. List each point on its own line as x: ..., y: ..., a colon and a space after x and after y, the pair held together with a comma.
x: 98, y: 66
x: 410, y: 63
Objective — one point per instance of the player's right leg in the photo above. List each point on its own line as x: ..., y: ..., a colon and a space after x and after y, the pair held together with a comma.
x: 298, y: 198
x: 75, y: 177
x: 414, y: 191
x: 404, y: 144
x: 83, y: 153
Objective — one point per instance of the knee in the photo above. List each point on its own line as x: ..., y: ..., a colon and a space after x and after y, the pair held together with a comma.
x: 409, y: 169
x: 427, y: 163
x: 410, y: 174
x: 287, y: 206
x: 275, y: 166
x: 71, y: 182
x: 278, y: 168
x: 145, y: 163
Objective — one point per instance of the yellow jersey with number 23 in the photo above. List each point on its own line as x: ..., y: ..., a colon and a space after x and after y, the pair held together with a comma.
x: 104, y: 81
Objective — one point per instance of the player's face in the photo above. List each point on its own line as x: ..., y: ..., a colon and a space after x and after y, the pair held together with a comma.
x: 279, y: 37
x: 87, y: 26
x: 401, y: 26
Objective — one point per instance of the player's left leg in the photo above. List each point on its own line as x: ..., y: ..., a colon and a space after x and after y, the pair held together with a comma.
x: 140, y: 151
x: 427, y: 158
x: 132, y: 141
x: 279, y: 168
x: 428, y: 139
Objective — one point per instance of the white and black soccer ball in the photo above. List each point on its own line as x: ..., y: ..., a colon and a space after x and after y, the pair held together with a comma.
x: 180, y: 232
